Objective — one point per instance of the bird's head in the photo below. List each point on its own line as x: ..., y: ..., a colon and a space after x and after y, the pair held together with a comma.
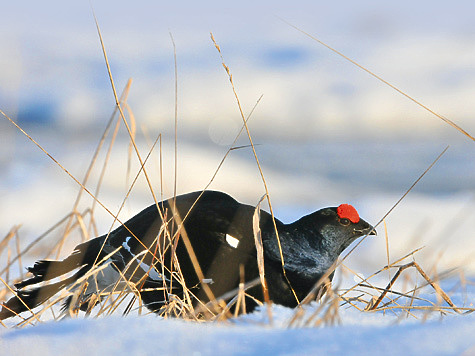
x: 340, y: 226
x: 312, y: 244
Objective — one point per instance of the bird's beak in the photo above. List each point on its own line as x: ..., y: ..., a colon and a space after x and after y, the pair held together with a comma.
x: 372, y: 231
x: 369, y: 230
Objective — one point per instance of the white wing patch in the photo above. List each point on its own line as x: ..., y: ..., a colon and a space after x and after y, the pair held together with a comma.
x: 152, y: 272
x: 232, y: 241
x: 125, y: 244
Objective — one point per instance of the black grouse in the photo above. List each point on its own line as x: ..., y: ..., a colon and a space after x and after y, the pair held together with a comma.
x: 213, y: 251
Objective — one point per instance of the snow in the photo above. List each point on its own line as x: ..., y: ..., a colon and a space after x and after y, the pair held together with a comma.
x: 358, y: 334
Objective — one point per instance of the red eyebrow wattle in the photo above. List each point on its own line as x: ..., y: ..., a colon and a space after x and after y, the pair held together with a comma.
x: 346, y: 211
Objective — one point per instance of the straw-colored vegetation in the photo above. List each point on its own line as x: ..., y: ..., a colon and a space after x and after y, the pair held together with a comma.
x: 400, y: 294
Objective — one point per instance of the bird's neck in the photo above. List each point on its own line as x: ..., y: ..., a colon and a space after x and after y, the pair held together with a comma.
x: 303, y: 251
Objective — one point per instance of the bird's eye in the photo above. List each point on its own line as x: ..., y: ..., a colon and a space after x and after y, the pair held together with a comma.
x: 345, y: 222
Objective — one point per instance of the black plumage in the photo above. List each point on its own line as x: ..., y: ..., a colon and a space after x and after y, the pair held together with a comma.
x: 220, y: 232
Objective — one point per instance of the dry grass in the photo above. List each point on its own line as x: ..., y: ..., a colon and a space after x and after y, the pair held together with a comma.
x: 399, y: 295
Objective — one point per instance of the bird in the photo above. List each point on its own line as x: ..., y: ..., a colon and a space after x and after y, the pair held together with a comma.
x: 199, y: 247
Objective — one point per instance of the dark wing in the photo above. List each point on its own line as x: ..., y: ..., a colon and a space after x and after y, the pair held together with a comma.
x: 210, y: 220
x: 218, y: 228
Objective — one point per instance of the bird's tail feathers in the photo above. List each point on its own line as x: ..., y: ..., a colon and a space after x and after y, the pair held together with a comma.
x: 28, y: 299
x: 45, y: 270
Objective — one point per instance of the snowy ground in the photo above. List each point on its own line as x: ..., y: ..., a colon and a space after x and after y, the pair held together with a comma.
x: 359, y: 334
